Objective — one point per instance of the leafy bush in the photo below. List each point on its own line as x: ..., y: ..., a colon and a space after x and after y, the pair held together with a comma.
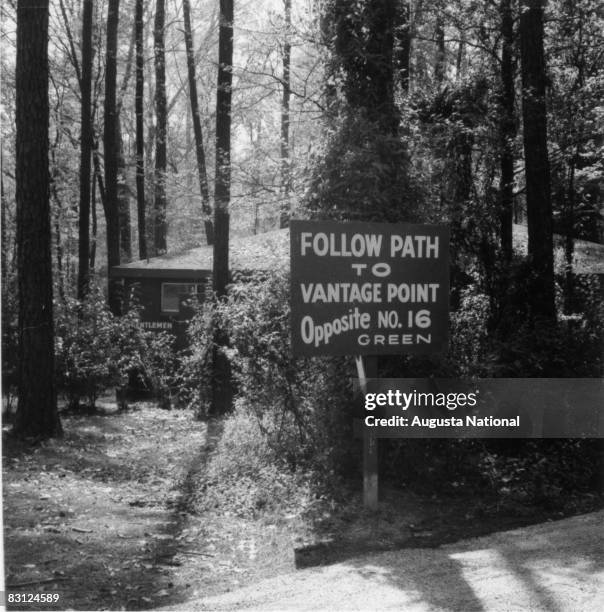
x: 549, y: 472
x: 95, y: 350
x: 469, y: 331
x: 569, y: 347
x: 304, y: 400
x: 548, y: 351
x: 433, y: 465
x: 194, y: 373
x: 531, y: 471
x: 292, y: 423
x: 541, y: 471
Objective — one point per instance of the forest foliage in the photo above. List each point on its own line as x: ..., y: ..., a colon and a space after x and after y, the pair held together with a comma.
x: 397, y: 111
x: 391, y: 111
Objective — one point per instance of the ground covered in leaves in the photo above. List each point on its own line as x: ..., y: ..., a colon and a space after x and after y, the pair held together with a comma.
x: 109, y: 517
x: 103, y: 516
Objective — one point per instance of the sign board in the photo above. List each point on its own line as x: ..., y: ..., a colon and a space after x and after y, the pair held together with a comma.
x: 369, y: 288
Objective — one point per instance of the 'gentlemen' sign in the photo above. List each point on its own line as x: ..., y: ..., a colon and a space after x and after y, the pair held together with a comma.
x: 368, y: 288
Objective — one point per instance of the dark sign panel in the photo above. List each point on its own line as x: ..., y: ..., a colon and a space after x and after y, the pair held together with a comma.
x: 368, y: 288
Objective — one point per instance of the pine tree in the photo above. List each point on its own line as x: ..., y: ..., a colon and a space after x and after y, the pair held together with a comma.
x: 536, y: 159
x: 160, y: 227
x: 111, y: 146
x: 85, y: 151
x: 140, y: 136
x: 206, y: 209
x: 221, y: 387
x: 37, y: 410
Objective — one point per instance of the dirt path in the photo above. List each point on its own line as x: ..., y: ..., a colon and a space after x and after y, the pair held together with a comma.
x: 103, y: 516
x: 557, y: 566
x: 97, y: 515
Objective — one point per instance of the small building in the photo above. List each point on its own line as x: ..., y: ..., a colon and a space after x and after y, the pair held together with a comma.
x: 164, y: 285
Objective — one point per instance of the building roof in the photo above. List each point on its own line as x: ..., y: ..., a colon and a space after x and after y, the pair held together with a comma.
x: 267, y: 251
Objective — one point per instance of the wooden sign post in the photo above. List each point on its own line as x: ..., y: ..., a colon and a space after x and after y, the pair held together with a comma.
x: 366, y: 370
x: 368, y: 289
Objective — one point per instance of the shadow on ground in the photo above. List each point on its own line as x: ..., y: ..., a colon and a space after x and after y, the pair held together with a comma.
x: 96, y: 516
x: 556, y: 566
x: 406, y: 520
x: 552, y: 566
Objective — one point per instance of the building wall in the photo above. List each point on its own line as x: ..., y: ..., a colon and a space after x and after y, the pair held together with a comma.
x: 148, y: 293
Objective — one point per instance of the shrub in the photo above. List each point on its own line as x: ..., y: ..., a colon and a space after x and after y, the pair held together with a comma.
x: 516, y: 470
x: 194, y: 373
x: 292, y: 422
x: 469, y: 331
x: 305, y: 400
x: 95, y: 350
x: 541, y: 471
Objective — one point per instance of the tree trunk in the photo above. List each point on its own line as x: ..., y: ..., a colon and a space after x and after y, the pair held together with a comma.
x: 96, y: 161
x: 37, y: 409
x: 72, y: 51
x: 97, y: 180
x: 150, y: 146
x: 403, y: 45
x: 123, y: 193
x: 56, y: 218
x: 286, y: 178
x: 538, y: 196
x: 4, y: 256
x: 206, y: 209
x: 123, y: 199
x: 221, y: 383
x: 140, y: 135
x: 461, y: 52
x: 85, y: 153
x: 160, y: 228
x: 440, y: 58
x: 462, y: 179
x: 222, y: 192
x: 379, y: 95
x: 111, y: 155
x: 507, y: 131
x: 569, y: 239
x: 93, y: 237
x: 368, y: 82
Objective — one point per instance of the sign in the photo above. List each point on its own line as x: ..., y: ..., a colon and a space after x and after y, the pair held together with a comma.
x: 157, y: 325
x: 369, y: 288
